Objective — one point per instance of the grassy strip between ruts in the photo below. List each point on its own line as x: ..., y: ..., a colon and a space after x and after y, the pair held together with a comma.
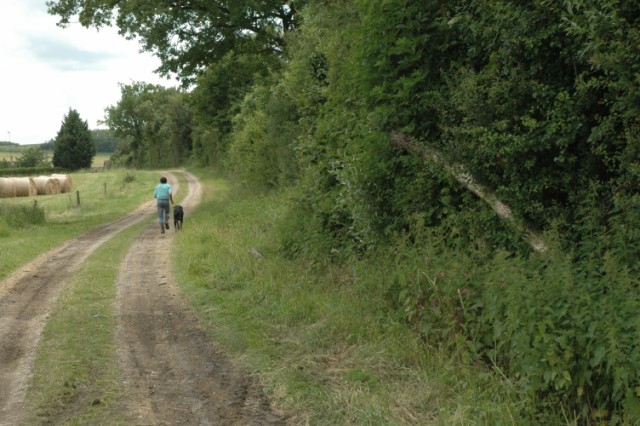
x: 77, y: 380
x: 321, y: 336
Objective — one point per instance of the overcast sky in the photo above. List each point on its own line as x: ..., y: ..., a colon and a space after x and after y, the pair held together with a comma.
x: 46, y: 70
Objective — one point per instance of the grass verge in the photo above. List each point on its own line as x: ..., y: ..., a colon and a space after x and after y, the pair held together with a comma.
x: 77, y: 380
x: 322, y: 336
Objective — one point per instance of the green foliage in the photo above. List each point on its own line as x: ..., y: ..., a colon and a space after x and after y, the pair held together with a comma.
x: 33, y: 157
x: 190, y: 37
x: 48, y: 146
x: 105, y: 141
x: 567, y: 333
x: 521, y: 103
x: 6, y: 144
x: 357, y: 187
x: 564, y: 332
x: 218, y: 98
x: 262, y: 153
x: 74, y: 147
x: 206, y: 140
x: 30, y: 171
x: 155, y: 123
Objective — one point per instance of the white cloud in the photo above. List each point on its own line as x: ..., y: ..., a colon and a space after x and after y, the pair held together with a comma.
x: 46, y: 70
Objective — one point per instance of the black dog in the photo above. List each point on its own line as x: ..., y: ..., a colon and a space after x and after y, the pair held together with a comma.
x: 178, y: 217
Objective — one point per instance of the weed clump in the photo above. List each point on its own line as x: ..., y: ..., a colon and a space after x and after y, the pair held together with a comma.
x: 20, y: 216
x: 564, y: 331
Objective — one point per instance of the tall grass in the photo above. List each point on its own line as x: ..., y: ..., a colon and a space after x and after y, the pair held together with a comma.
x: 323, y: 336
x: 19, y: 217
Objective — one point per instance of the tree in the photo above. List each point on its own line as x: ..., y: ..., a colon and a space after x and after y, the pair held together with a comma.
x: 33, y: 157
x: 188, y: 36
x: 74, y: 147
x: 128, y: 118
x: 178, y: 125
x: 105, y: 141
x: 156, y: 122
x: 217, y: 98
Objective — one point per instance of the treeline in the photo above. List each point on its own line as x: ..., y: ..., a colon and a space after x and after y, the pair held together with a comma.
x: 351, y: 101
x: 103, y: 139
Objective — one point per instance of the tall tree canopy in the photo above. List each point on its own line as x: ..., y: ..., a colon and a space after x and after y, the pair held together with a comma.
x: 105, y: 140
x: 187, y: 36
x: 156, y: 123
x: 74, y: 147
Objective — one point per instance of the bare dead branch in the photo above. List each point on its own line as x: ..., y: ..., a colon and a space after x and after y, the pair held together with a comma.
x: 458, y: 172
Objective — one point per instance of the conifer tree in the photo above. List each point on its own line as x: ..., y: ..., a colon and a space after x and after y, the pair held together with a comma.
x: 74, y: 148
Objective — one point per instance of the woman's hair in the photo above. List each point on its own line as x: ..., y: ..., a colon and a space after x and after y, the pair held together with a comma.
x: 163, y: 179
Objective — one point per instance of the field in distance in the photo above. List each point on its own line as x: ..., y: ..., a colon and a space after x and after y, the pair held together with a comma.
x: 13, y: 153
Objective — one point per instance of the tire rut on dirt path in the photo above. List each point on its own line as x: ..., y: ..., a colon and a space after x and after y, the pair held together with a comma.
x: 174, y: 373
x: 27, y: 297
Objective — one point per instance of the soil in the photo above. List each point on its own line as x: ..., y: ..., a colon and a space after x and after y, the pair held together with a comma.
x: 174, y: 373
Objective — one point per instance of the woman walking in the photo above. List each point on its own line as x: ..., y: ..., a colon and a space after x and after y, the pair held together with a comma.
x: 164, y: 194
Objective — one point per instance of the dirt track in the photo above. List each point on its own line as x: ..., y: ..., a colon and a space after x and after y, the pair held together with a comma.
x: 175, y: 373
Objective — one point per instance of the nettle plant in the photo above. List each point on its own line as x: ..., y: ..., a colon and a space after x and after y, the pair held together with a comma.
x: 565, y: 332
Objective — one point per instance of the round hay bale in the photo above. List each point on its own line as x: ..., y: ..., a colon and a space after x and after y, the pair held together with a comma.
x: 55, y: 182
x: 65, y: 182
x: 7, y: 188
x: 25, y: 187
x: 45, y: 185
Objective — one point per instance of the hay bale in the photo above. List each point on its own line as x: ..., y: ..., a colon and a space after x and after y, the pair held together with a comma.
x: 65, y: 182
x: 7, y: 188
x: 56, y: 185
x: 46, y: 186
x: 25, y: 187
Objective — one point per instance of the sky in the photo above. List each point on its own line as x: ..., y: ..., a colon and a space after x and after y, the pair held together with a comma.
x: 46, y: 70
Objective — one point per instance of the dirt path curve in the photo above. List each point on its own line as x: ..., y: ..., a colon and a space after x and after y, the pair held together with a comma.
x: 175, y: 374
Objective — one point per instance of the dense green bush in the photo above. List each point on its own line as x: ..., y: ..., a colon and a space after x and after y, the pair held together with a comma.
x: 218, y: 98
x: 567, y: 332
x: 530, y: 98
x: 564, y: 332
x: 262, y: 150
